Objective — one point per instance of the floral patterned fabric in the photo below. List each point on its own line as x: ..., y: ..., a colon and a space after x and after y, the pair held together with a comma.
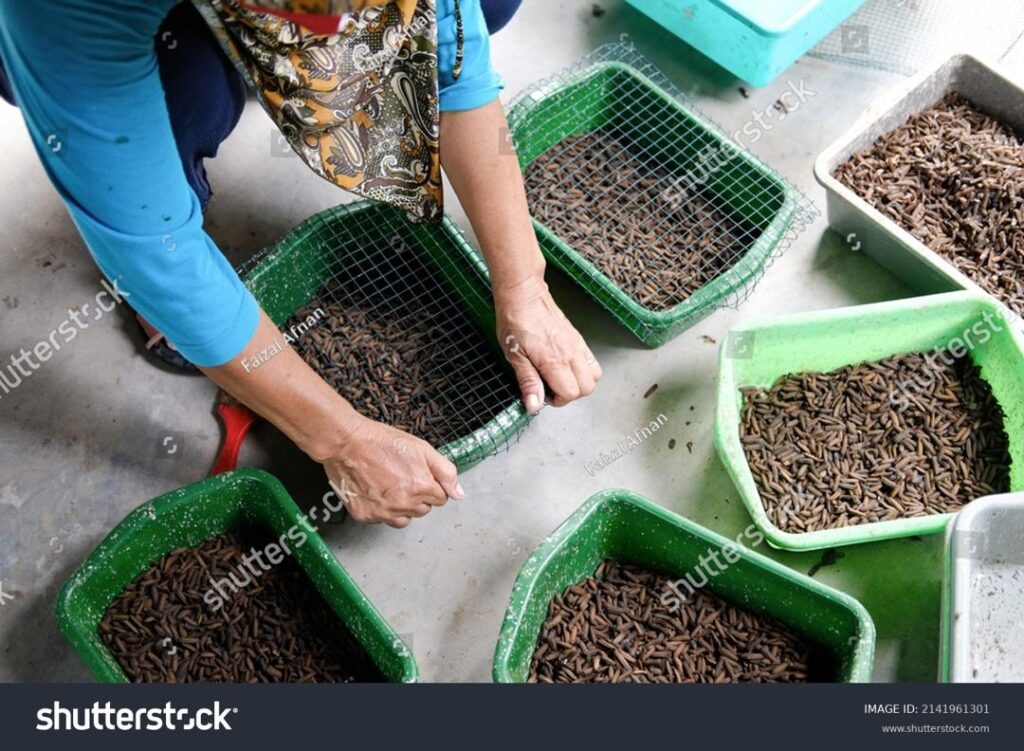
x: 359, y: 106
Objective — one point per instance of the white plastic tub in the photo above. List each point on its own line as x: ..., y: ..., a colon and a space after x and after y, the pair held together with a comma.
x: 983, y: 599
x: 865, y: 227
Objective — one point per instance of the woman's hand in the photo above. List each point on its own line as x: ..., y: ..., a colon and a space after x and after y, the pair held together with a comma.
x: 386, y: 476
x: 538, y: 340
x: 382, y: 474
x: 543, y: 347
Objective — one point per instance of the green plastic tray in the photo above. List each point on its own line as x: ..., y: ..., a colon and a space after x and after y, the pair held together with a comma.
x: 623, y: 526
x: 759, y: 354
x: 186, y: 518
x: 370, y: 236
x: 613, y: 94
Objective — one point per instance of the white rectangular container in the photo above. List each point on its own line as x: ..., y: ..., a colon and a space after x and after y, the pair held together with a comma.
x: 865, y: 227
x: 983, y: 596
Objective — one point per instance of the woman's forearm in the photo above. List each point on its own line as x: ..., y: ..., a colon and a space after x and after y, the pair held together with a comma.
x: 271, y: 379
x: 541, y: 344
x: 481, y: 164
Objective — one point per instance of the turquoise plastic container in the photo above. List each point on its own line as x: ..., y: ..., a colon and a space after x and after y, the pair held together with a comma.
x: 753, y: 39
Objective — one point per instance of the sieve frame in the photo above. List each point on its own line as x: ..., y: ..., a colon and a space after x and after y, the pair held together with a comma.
x: 653, y: 327
x: 465, y: 280
x: 805, y: 342
x: 883, y: 239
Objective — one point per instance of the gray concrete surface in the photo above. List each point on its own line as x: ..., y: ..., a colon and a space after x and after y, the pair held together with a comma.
x: 98, y: 430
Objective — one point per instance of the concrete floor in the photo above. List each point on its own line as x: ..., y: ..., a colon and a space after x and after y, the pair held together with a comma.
x: 98, y: 430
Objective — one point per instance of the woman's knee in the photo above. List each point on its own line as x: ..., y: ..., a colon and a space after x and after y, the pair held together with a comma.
x: 499, y: 12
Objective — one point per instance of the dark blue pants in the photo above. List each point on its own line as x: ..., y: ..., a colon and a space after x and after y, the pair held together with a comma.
x: 205, y: 94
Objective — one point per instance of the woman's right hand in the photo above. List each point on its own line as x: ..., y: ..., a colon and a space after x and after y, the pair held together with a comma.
x: 384, y: 475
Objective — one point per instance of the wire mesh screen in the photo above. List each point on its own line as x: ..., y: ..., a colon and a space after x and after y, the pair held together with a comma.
x: 1013, y: 60
x: 642, y: 199
x: 398, y: 318
x: 902, y: 36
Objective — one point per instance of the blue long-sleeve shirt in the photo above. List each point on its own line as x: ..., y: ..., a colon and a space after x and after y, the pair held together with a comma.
x: 84, y: 73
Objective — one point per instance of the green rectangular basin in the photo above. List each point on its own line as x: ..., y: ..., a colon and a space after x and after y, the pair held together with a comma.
x: 190, y: 516
x: 759, y: 354
x: 623, y: 526
x: 616, y: 95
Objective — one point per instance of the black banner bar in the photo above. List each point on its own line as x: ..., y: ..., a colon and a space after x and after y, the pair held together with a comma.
x: 39, y: 716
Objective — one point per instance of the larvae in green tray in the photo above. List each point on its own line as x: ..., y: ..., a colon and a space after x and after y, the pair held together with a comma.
x: 409, y: 359
x: 908, y: 436
x: 625, y: 213
x: 277, y: 628
x: 626, y: 624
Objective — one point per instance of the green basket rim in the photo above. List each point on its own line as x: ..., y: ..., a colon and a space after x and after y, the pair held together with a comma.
x: 92, y: 650
x: 526, y: 580
x: 612, y: 297
x: 507, y: 424
x: 730, y: 450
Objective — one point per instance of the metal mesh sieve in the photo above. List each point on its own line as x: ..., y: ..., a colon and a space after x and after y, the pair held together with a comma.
x: 902, y: 36
x: 399, y: 319
x: 642, y: 199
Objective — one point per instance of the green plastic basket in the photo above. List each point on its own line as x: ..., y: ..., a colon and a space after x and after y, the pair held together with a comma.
x: 759, y: 354
x: 623, y: 526
x: 190, y: 516
x: 360, y: 240
x: 617, y: 90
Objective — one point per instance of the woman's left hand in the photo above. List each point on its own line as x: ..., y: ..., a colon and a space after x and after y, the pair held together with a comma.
x: 543, y: 347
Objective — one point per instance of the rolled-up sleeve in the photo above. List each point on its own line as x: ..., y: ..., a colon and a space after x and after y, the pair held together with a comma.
x: 95, y: 109
x: 479, y: 83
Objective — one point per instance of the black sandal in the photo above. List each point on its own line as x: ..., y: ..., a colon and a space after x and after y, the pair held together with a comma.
x: 158, y: 349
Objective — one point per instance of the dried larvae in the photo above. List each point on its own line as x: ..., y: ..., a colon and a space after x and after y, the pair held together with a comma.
x: 271, y: 628
x: 626, y: 624
x: 954, y: 178
x: 633, y: 218
x: 403, y: 353
x: 907, y: 436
